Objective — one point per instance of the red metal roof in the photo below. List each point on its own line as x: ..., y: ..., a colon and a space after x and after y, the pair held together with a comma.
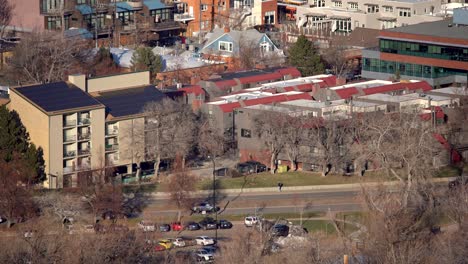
x: 194, y: 89
x: 225, y: 84
x: 329, y: 81
x: 398, y: 86
x: 294, y: 72
x: 260, y: 78
x: 229, y: 107
x: 346, y: 93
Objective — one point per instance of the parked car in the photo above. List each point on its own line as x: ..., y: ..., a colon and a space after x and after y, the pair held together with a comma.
x: 224, y: 224
x: 203, y: 255
x: 250, y: 221
x: 204, y: 207
x: 164, y: 228
x: 250, y: 167
x: 178, y: 242
x: 208, y: 223
x: 211, y: 249
x: 165, y: 243
x: 192, y: 226
x: 146, y: 226
x: 204, y: 240
x: 176, y: 226
x: 257, y: 166
x: 280, y: 230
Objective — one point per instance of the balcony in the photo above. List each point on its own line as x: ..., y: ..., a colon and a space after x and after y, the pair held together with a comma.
x: 112, y: 132
x: 69, y: 138
x: 112, y: 147
x: 183, y: 17
x: 83, y: 152
x: 69, y: 154
x: 84, y: 136
x: 55, y: 10
x: 84, y: 121
x: 69, y: 123
x: 166, y: 25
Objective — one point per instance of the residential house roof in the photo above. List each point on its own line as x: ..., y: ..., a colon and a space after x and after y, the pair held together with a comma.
x: 441, y: 29
x: 125, y: 102
x: 84, y: 9
x: 154, y: 4
x: 59, y: 96
x: 358, y: 88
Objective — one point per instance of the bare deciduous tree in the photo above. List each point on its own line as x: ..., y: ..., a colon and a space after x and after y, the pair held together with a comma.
x: 402, y: 143
x: 44, y: 57
x: 336, y: 57
x: 181, y: 184
x: 6, y: 14
x: 270, y: 127
x: 170, y: 130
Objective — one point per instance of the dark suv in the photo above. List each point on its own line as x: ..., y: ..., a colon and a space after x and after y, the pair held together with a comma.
x: 251, y: 166
x: 208, y: 223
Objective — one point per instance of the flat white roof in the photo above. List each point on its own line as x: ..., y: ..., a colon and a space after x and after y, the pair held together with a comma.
x: 365, y: 104
x: 291, y: 82
x: 367, y: 84
x: 389, y: 98
x: 271, y: 108
x: 452, y: 90
x: 247, y: 96
x: 314, y: 104
x: 428, y: 96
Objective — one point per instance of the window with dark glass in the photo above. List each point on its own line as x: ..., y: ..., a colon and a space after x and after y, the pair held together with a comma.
x: 162, y: 14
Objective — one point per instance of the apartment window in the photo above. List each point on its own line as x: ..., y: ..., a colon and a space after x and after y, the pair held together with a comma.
x: 343, y: 25
x: 404, y: 12
x: 246, y: 133
x: 388, y: 9
x: 80, y: 2
x: 372, y: 8
x: 126, y: 17
x: 55, y: 22
x: 338, y: 4
x: 162, y: 14
x: 265, y: 47
x: 353, y: 5
x: 270, y: 17
x: 204, y: 7
x: 319, y: 3
x: 225, y: 46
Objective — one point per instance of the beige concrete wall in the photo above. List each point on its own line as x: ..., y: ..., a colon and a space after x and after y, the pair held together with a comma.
x: 118, y: 81
x: 97, y: 138
x: 131, y: 141
x: 35, y: 121
x: 79, y: 80
x: 56, y: 147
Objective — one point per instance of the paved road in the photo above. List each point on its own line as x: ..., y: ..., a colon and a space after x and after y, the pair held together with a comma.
x: 278, y: 202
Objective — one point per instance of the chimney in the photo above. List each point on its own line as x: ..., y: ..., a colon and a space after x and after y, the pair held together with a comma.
x: 340, y: 81
x: 226, y: 29
x: 79, y: 80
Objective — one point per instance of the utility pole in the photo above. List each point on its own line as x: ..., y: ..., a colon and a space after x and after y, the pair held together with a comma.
x: 200, y: 22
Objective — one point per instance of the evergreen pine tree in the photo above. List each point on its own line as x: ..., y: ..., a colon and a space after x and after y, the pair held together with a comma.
x: 305, y: 57
x: 144, y: 59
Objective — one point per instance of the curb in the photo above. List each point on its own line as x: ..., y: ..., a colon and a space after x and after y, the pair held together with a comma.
x: 349, y: 186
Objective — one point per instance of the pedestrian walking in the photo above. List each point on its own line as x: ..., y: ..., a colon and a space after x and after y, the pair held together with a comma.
x: 280, y: 186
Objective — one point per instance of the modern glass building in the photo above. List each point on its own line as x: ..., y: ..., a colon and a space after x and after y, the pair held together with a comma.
x: 436, y: 52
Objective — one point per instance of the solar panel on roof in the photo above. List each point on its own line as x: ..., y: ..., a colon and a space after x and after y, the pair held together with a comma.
x: 129, y: 101
x: 57, y: 96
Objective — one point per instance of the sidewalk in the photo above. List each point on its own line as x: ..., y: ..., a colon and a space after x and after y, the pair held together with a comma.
x: 295, y: 189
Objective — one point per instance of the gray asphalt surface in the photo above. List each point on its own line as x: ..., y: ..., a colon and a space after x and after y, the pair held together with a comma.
x: 336, y: 200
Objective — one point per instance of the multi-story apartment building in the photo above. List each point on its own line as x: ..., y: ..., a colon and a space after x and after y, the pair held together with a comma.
x: 141, y: 19
x: 346, y: 15
x: 87, y: 124
x: 436, y: 52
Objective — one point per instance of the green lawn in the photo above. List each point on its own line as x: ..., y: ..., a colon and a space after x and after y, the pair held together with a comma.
x: 288, y: 179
